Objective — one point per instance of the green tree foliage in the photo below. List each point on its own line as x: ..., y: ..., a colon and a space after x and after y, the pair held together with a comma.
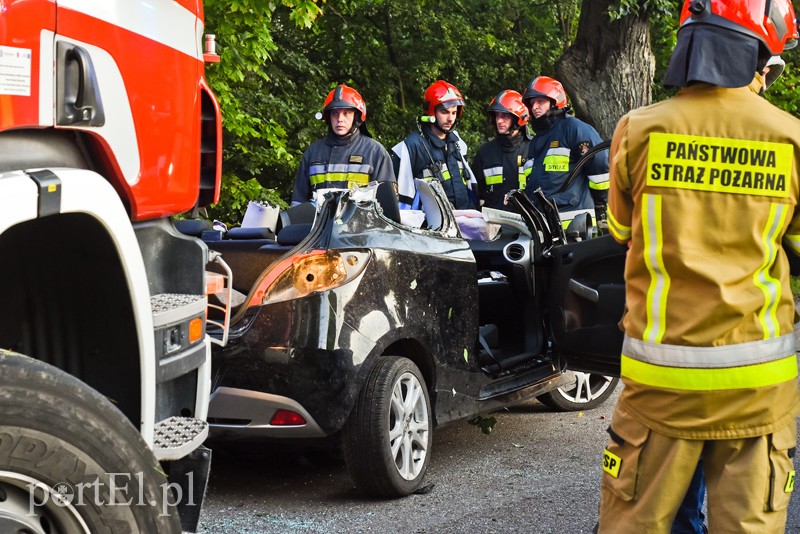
x: 257, y: 86
x: 785, y: 92
x: 277, y: 67
x: 281, y: 58
x: 392, y: 51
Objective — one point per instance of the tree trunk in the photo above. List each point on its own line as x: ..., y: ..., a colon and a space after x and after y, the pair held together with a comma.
x: 388, y: 37
x: 609, y: 69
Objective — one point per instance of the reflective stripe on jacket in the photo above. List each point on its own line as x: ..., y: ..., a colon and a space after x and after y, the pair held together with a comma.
x: 333, y: 162
x: 500, y: 167
x: 705, y: 187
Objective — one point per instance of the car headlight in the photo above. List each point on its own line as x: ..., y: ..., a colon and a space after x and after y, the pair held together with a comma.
x: 317, y: 271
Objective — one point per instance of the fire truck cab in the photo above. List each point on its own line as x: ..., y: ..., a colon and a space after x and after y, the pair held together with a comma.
x: 108, y: 129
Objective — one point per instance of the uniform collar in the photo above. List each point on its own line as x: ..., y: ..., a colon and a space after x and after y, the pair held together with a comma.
x: 547, y: 121
x: 757, y: 85
x: 703, y: 87
x: 335, y: 140
x: 511, y: 144
x: 434, y: 139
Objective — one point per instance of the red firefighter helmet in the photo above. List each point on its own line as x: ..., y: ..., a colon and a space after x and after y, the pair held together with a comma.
x: 509, y: 101
x: 548, y: 88
x: 441, y: 92
x: 344, y: 97
x: 772, y: 22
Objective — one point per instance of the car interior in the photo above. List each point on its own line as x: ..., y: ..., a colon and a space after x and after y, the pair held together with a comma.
x: 511, y: 332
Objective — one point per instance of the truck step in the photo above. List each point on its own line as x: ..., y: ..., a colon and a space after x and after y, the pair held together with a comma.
x: 176, y: 437
x: 171, y: 308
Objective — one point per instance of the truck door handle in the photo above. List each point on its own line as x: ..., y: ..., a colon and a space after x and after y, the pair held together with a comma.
x: 78, y: 99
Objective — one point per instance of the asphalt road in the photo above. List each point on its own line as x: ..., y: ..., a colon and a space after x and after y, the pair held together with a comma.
x: 538, y: 472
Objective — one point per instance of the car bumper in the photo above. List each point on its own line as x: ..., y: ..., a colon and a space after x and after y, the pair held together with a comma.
x: 241, y: 413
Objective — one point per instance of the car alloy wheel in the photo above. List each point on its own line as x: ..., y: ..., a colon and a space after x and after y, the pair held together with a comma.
x: 387, y: 440
x: 585, y: 391
x: 408, y: 426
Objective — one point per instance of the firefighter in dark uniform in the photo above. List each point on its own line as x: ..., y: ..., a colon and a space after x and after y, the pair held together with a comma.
x: 348, y: 156
x: 499, y: 164
x: 436, y: 151
x: 559, y: 141
x: 705, y: 190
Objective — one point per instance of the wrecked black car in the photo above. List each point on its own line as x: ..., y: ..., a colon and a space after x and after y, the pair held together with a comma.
x: 359, y: 327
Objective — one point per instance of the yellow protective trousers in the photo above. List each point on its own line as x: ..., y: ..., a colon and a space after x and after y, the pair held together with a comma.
x: 646, y: 475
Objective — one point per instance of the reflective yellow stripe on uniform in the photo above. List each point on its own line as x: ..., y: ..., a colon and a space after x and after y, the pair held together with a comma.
x: 769, y: 286
x: 350, y: 178
x: 793, y: 241
x: 340, y: 172
x: 462, y: 172
x: 556, y: 160
x: 617, y: 229
x: 493, y: 175
x: 526, y: 170
x: 654, y: 260
x: 750, y: 376
x: 598, y: 182
x: 445, y: 172
x: 743, y: 365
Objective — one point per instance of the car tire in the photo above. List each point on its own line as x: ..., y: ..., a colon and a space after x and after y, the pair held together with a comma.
x: 589, y: 390
x: 59, y: 441
x: 387, y: 440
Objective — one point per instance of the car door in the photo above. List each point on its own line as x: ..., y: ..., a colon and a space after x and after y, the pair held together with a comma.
x: 586, y: 300
x: 586, y: 296
x: 584, y: 283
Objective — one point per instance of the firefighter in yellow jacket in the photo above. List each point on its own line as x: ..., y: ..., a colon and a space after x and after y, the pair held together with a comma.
x: 704, y: 187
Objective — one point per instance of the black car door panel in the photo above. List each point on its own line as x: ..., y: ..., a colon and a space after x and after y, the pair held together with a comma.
x: 586, y: 299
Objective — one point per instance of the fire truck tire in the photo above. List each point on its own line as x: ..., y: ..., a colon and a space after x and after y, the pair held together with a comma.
x: 70, y: 461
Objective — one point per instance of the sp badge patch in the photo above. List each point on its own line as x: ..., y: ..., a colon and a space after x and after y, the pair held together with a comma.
x: 611, y: 463
x: 356, y: 159
x: 583, y: 147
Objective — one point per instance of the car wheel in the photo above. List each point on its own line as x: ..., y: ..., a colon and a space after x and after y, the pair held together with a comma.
x: 387, y: 440
x: 586, y: 391
x: 63, y: 447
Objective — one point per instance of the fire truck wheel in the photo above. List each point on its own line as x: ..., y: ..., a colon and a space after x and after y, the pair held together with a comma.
x: 70, y: 461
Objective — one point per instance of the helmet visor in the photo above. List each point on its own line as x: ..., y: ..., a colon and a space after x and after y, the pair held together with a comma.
x: 450, y: 103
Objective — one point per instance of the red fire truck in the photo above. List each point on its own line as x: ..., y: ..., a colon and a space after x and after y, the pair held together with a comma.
x: 108, y: 129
